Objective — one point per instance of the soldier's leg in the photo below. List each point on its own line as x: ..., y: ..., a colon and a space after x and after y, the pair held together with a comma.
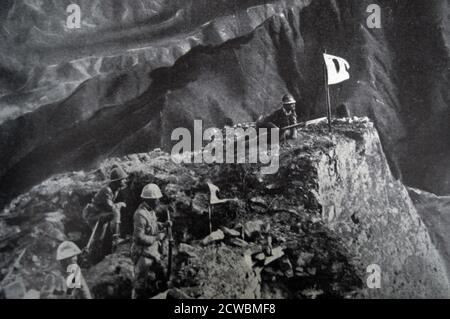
x: 293, y: 134
x: 141, y: 278
x: 107, y: 240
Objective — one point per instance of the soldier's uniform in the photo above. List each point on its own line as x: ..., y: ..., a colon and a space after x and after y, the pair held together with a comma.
x: 101, y: 206
x: 102, y: 209
x: 147, y: 253
x: 283, y: 117
x: 55, y: 285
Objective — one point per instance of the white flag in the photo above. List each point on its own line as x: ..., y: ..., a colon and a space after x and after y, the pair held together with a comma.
x: 214, y: 199
x: 337, y: 69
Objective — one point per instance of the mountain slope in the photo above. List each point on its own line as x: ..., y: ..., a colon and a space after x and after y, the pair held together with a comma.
x: 333, y: 209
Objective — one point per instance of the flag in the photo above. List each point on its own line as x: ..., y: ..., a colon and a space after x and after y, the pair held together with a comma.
x: 337, y: 69
x: 214, y: 199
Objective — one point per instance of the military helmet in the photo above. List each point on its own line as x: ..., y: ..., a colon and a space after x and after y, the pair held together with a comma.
x: 288, y: 99
x: 117, y: 174
x: 66, y: 250
x: 151, y: 191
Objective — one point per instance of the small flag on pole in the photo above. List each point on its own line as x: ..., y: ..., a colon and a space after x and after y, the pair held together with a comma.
x: 213, y: 198
x: 337, y: 69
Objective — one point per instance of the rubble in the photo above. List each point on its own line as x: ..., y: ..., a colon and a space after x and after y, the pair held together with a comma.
x: 277, y: 253
x: 230, y: 232
x: 310, y: 249
x: 253, y: 228
x: 216, y: 236
x: 15, y: 289
x: 187, y: 250
x: 238, y: 242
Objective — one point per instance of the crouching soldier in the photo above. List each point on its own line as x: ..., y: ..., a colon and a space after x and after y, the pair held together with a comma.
x: 147, y: 251
x: 73, y: 285
x: 105, y: 212
x: 283, y: 117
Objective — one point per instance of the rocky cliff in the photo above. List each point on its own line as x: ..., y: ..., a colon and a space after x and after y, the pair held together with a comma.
x: 332, y: 209
x: 435, y: 212
x: 137, y: 69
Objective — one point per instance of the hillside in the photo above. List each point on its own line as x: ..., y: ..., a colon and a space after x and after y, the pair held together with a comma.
x: 138, y: 69
x: 334, y: 208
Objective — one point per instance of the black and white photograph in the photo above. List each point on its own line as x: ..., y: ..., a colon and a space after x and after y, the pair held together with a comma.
x: 241, y: 151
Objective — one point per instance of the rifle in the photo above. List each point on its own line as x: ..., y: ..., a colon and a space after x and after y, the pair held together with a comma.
x: 87, y: 249
x: 170, y: 236
x: 316, y: 121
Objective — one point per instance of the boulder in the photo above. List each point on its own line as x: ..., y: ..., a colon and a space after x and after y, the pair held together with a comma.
x: 230, y: 232
x: 253, y: 228
x: 239, y: 242
x: 277, y: 253
x: 216, y: 236
x: 187, y: 250
x: 112, y: 278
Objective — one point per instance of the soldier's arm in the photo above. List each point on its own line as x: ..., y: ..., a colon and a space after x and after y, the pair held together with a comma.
x: 294, y: 116
x: 139, y: 232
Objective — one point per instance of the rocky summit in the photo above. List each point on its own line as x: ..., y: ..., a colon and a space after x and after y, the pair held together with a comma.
x: 332, y: 211
x: 135, y: 70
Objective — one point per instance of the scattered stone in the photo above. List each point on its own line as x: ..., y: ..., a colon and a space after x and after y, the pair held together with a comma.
x: 260, y: 257
x: 272, y: 272
x: 218, y: 235
x: 248, y: 259
x: 277, y: 253
x: 36, y: 260
x: 55, y: 217
x: 253, y: 228
x: 300, y: 272
x: 230, y: 232
x: 15, y: 290
x: 200, y: 204
x: 177, y: 294
x: 238, y: 242
x: 75, y: 236
x: 258, y: 200
x: 32, y: 295
x: 312, y: 271
x: 176, y: 192
x: 286, y: 267
x: 304, y: 258
x: 188, y: 250
x: 113, y: 274
x: 312, y: 293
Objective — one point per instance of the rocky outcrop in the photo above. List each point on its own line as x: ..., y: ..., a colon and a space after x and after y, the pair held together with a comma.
x: 435, y: 213
x: 138, y: 69
x: 331, y: 210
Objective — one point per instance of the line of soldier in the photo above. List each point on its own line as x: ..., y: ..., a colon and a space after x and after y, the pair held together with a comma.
x: 147, y: 250
x: 104, y: 214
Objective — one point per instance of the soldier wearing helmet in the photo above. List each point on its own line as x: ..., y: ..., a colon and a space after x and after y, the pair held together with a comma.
x: 283, y: 117
x: 147, y: 244
x: 73, y: 284
x: 105, y: 210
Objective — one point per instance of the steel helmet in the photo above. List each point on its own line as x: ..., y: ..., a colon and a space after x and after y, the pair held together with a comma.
x: 66, y: 250
x: 288, y: 99
x: 117, y: 174
x: 151, y: 191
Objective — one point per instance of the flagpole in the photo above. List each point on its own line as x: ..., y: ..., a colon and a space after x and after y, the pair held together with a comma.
x: 327, y: 95
x: 210, y: 218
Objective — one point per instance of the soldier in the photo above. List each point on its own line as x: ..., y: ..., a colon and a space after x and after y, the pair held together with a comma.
x: 104, y: 210
x: 147, y: 245
x: 283, y: 117
x: 56, y: 286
